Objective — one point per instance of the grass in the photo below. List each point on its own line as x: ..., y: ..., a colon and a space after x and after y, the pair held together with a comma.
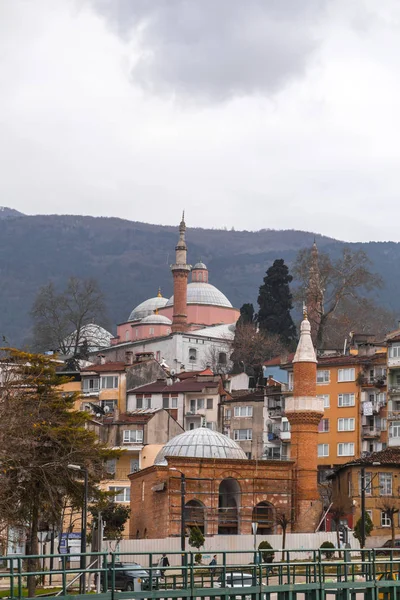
x: 39, y: 592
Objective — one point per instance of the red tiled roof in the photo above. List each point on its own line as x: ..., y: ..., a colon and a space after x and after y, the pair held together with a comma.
x: 278, y: 360
x: 107, y: 367
x: 390, y: 456
x: 188, y: 385
x: 190, y: 374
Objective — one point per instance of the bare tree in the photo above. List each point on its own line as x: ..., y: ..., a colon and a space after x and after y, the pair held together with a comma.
x: 251, y: 348
x: 343, y: 279
x: 66, y: 321
x: 283, y: 520
x: 216, y: 357
x: 391, y: 507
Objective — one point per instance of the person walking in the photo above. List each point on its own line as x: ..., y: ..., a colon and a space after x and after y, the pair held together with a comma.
x: 213, y: 564
x: 163, y: 562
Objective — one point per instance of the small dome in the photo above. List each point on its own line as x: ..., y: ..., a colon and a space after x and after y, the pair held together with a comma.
x: 95, y: 336
x: 200, y: 443
x: 199, y: 265
x: 203, y: 293
x: 156, y: 320
x: 147, y: 308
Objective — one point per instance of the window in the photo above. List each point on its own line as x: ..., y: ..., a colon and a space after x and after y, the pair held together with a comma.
x: 394, y: 351
x: 222, y: 358
x: 290, y: 381
x: 285, y: 426
x: 243, y: 411
x: 151, y: 330
x: 385, y: 484
x: 109, y: 405
x: 323, y: 450
x: 90, y: 384
x: 134, y: 465
x: 326, y: 399
x: 210, y: 403
x: 158, y: 355
x: 367, y: 485
x: 386, y: 521
x: 111, y: 466
x: 165, y: 402
x: 228, y: 413
x: 200, y: 403
x: 174, y: 402
x: 122, y: 494
x: 192, y: 354
x: 323, y: 426
x: 323, y: 376
x: 381, y: 398
x: 193, y: 406
x: 346, y: 425
x: 211, y: 425
x: 109, y: 382
x: 242, y: 434
x: 133, y: 436
x: 126, y: 336
x: 346, y: 449
x: 346, y: 400
x: 143, y: 402
x: 394, y: 429
x: 346, y: 375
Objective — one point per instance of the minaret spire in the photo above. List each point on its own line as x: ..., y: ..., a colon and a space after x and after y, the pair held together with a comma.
x: 180, y: 271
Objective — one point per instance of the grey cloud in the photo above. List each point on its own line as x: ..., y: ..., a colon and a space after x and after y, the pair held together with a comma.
x: 216, y: 49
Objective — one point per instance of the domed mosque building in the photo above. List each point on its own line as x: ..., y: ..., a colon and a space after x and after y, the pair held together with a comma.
x: 182, y: 328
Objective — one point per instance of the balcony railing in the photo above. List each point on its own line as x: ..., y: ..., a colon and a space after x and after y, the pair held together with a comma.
x: 377, y: 381
x: 394, y: 415
x: 285, y: 436
x: 371, y: 431
x: 394, y: 390
x: 275, y: 412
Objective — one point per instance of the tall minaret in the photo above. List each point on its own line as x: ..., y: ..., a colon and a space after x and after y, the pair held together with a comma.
x: 304, y: 411
x: 315, y: 295
x: 180, y: 271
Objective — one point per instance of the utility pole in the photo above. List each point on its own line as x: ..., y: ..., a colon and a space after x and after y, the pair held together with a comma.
x: 362, y: 541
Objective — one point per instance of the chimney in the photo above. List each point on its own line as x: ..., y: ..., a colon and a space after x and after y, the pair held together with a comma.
x: 101, y: 359
x: 129, y: 357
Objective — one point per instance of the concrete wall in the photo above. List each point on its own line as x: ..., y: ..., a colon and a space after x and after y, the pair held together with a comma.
x: 240, y: 544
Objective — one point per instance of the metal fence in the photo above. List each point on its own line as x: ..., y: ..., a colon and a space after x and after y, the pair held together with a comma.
x: 338, y: 575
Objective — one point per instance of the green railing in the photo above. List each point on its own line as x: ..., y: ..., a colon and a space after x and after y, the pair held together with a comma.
x: 301, y: 575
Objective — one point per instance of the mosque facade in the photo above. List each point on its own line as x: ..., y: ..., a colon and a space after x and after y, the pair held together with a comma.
x: 192, y: 329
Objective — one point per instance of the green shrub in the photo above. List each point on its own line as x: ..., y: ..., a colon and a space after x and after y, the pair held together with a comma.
x: 368, y: 527
x: 264, y: 547
x: 327, y: 549
x: 197, y: 558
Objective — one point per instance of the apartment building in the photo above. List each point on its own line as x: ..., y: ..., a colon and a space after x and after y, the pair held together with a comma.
x: 393, y: 366
x: 242, y: 419
x: 382, y: 477
x: 353, y: 388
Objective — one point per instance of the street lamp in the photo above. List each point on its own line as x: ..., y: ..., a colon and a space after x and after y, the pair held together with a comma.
x: 83, y: 470
x: 363, y: 489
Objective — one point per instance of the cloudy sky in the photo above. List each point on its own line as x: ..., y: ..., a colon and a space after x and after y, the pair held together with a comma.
x: 247, y: 113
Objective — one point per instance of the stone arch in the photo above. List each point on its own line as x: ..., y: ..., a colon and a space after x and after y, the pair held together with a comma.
x: 195, y: 515
x: 229, y: 506
x: 264, y: 515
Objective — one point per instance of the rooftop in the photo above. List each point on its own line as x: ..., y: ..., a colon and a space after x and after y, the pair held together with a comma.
x: 187, y: 385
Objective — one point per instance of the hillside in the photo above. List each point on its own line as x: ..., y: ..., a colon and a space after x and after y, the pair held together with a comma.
x: 131, y: 260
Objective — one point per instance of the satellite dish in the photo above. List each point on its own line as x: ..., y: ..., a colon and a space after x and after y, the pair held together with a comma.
x: 173, y: 372
x: 106, y: 409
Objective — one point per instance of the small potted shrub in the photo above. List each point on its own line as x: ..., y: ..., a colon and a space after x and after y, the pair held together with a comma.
x: 327, y: 549
x: 267, y: 552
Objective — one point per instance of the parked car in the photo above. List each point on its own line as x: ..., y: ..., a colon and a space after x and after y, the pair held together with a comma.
x: 132, y: 577
x: 236, y: 579
x: 387, y: 546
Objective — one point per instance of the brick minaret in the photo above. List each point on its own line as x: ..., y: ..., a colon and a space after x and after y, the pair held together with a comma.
x: 304, y: 411
x: 180, y: 271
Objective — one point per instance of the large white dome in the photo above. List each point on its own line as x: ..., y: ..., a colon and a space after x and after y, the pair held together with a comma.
x: 154, y: 319
x: 147, y: 308
x: 203, y: 293
x: 200, y: 443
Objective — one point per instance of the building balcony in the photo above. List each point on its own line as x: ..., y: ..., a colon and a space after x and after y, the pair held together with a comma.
x: 378, y: 381
x: 195, y: 413
x: 394, y: 442
x: 371, y: 432
x: 393, y: 415
x: 393, y: 362
x: 276, y: 412
x: 394, y: 390
x: 285, y: 436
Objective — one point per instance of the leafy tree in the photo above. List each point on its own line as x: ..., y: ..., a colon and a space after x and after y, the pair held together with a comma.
x: 247, y: 315
x: 196, y: 540
x: 60, y: 319
x: 368, y: 527
x: 40, y: 435
x: 275, y: 302
x: 113, y: 515
x: 345, y: 279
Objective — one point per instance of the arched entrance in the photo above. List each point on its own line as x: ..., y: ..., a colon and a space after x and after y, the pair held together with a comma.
x: 228, y: 507
x: 194, y: 514
x: 264, y: 515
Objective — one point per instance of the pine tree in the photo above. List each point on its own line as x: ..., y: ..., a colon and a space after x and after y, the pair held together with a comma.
x: 275, y: 302
x: 246, y: 315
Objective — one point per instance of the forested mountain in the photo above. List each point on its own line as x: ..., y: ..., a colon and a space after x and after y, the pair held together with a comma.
x: 131, y: 260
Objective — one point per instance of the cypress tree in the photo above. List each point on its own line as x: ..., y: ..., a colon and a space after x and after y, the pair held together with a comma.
x: 246, y: 314
x: 275, y: 302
